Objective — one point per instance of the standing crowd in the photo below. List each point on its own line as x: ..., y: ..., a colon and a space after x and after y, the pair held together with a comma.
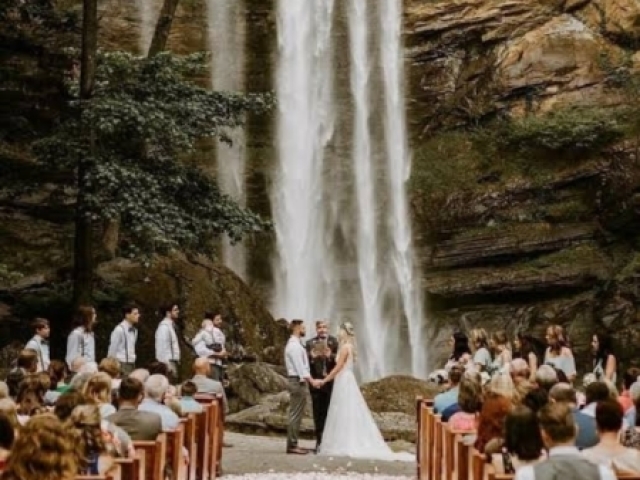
x: 522, y: 410
x: 76, y: 415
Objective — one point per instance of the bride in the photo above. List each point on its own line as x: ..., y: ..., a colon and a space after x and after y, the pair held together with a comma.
x: 350, y: 430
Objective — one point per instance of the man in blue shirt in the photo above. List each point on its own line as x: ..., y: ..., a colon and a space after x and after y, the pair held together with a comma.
x: 445, y: 399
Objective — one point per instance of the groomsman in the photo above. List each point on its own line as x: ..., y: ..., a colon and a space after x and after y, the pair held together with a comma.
x: 322, y: 351
x: 209, y: 342
x: 167, y: 346
x: 124, y: 336
x: 297, y: 363
x: 39, y: 343
x: 81, y: 341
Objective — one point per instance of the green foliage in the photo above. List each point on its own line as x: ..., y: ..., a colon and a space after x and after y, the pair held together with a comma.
x: 146, y: 117
x: 570, y: 133
x: 8, y: 276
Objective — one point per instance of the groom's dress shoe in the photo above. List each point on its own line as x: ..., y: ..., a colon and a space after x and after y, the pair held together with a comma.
x: 297, y: 451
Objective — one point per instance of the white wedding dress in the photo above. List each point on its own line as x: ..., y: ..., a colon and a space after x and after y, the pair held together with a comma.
x: 350, y: 430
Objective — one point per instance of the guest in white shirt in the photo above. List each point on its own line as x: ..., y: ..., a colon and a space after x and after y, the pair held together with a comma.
x: 297, y: 363
x: 39, y: 343
x: 81, y: 341
x: 167, y: 346
x: 124, y: 336
x: 558, y: 430
x: 609, y: 451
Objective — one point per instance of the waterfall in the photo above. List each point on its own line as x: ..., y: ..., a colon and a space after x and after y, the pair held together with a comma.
x: 399, y: 169
x: 339, y: 199
x: 226, y: 44
x: 367, y: 248
x: 148, y: 11
x: 304, y: 272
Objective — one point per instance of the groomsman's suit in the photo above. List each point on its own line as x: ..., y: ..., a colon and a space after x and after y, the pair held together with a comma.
x: 320, y: 368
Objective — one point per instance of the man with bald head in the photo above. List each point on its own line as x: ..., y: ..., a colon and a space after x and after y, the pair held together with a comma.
x: 204, y: 384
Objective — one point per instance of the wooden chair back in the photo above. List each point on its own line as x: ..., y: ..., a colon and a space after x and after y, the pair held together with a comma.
x: 129, y: 468
x: 191, y: 444
x: 154, y: 454
x: 175, y: 457
x: 203, y: 444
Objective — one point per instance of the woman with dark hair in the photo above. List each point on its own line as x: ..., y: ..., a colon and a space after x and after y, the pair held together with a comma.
x: 604, y: 360
x: 460, y: 350
x: 81, y: 341
x: 522, y: 442
x: 558, y: 353
x: 530, y: 350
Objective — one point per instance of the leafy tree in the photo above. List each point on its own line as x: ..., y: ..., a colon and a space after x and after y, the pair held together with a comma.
x: 133, y: 137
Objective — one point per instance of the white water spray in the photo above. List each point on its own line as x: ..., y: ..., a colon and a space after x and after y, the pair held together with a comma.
x: 367, y: 256
x: 304, y: 271
x: 399, y: 169
x: 227, y: 47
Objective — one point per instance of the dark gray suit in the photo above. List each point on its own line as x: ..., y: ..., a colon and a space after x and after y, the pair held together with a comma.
x: 138, y: 424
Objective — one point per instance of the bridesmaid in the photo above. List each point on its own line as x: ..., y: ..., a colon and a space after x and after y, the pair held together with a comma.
x: 499, y: 344
x: 558, y: 353
x: 604, y: 360
x: 480, y: 348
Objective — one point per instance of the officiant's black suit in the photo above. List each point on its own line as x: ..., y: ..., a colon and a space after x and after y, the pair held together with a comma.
x: 320, y: 368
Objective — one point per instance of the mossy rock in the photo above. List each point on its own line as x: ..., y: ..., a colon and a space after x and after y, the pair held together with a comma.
x: 396, y: 393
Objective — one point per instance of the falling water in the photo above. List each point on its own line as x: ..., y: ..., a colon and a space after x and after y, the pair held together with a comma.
x: 148, y: 11
x: 367, y: 248
x: 399, y: 168
x: 226, y: 43
x: 305, y: 275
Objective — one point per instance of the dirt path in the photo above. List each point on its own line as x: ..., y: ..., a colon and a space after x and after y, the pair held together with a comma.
x: 265, y: 455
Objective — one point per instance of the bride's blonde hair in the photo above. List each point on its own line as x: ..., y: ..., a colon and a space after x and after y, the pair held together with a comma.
x: 347, y: 334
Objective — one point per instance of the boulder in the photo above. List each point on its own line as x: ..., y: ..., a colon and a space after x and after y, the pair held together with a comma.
x: 396, y: 394
x: 250, y: 382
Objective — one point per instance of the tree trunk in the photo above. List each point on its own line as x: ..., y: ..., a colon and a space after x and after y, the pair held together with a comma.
x: 83, y: 242
x: 163, y: 27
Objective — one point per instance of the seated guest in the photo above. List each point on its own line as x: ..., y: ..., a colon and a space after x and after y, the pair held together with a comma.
x: 79, y: 380
x: 496, y: 405
x: 93, y: 455
x: 460, y: 351
x: 158, y: 368
x: 89, y: 367
x: 76, y: 364
x: 66, y: 403
x: 204, y: 383
x: 546, y: 377
x: 98, y: 389
x: 155, y: 390
x: 140, y: 425
x: 522, y: 442
x: 629, y: 378
x: 587, y: 435
x: 448, y: 398
x: 30, y: 397
x: 111, y: 367
x: 187, y: 402
x: 595, y: 393
x: 558, y: 431
x: 536, y: 399
x: 630, y: 415
x: 9, y: 409
x: 140, y: 374
x: 43, y: 438
x: 631, y: 436
x: 4, y: 390
x: 57, y: 375
x: 519, y: 370
x: 27, y: 364
x: 609, y: 451
x: 469, y: 405
x: 7, y: 435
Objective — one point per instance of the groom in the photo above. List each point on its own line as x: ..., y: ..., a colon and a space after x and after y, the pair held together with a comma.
x: 322, y: 350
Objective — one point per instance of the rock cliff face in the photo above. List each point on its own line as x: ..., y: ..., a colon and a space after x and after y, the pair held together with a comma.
x: 504, y: 243
x: 523, y: 244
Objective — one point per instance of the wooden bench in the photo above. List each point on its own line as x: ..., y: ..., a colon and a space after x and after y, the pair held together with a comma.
x: 153, y: 454
x: 213, y: 404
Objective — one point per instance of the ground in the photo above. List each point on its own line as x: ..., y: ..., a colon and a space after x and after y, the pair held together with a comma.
x: 263, y: 458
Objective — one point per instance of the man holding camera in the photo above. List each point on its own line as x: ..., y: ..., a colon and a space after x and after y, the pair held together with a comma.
x: 209, y: 342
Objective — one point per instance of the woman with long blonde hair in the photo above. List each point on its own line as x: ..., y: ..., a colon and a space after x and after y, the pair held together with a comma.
x: 558, y: 353
x: 43, y: 450
x: 350, y: 429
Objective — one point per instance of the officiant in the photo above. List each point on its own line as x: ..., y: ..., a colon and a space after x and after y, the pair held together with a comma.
x: 322, y: 350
